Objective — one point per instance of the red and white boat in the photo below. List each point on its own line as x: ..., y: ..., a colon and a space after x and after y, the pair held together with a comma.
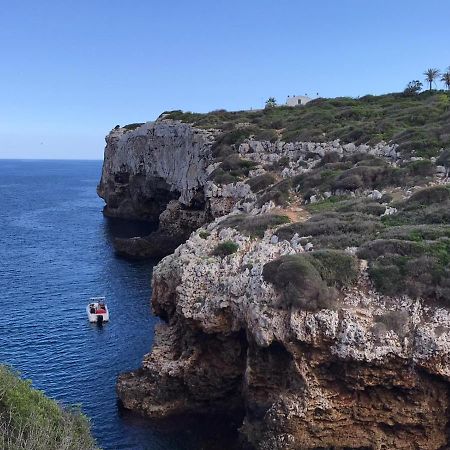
x: 97, y: 310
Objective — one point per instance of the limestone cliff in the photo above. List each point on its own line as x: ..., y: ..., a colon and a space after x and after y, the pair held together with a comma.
x: 309, y: 293
x: 149, y: 167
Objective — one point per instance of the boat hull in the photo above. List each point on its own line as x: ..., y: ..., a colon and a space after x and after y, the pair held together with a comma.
x: 94, y: 317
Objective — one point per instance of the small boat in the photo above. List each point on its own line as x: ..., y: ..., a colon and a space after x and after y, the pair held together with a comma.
x: 97, y: 310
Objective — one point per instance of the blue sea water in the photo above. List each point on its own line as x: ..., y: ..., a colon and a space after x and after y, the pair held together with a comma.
x: 56, y: 252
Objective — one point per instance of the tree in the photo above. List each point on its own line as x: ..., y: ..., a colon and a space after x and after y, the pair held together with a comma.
x: 431, y: 75
x: 446, y: 79
x: 413, y: 88
x: 271, y: 102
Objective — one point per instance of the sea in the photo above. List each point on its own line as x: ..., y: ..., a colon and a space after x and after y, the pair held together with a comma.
x: 55, y: 253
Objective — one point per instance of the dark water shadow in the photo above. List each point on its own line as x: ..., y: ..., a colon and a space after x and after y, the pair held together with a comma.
x: 123, y: 228
x: 199, y: 432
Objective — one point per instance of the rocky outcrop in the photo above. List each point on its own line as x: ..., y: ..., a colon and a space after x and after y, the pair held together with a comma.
x: 148, y: 168
x: 372, y: 373
x: 367, y: 372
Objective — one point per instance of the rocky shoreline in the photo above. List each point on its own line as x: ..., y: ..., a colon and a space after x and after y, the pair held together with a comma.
x: 368, y: 371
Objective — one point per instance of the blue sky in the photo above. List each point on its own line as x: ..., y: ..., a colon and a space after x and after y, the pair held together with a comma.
x: 72, y: 70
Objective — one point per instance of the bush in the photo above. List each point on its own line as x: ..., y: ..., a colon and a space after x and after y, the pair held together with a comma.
x: 204, y: 234
x: 233, y: 168
x: 261, y: 182
x: 423, y: 168
x: 254, y: 226
x: 394, y: 321
x: 348, y: 182
x: 132, y: 126
x: 436, y: 194
x: 331, y: 157
x: 418, y: 268
x: 225, y: 248
x: 444, y: 158
x: 30, y: 420
x: 300, y: 283
x: 307, y: 281
x: 337, y: 268
x: 335, y: 230
x: 278, y: 193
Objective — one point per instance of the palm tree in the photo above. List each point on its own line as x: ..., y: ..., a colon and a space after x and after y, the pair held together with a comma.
x: 271, y: 102
x: 446, y: 79
x: 431, y: 75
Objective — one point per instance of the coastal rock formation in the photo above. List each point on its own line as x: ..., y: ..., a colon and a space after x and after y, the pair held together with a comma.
x: 148, y: 168
x: 371, y: 374
x: 365, y: 369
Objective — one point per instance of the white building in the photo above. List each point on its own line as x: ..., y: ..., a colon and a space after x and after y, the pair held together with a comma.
x: 297, y: 100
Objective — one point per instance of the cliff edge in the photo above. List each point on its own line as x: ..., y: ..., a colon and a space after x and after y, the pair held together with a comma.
x: 310, y: 291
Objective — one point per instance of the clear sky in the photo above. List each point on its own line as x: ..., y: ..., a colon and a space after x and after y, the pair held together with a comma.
x: 72, y: 70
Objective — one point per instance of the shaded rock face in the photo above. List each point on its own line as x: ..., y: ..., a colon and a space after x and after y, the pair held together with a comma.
x: 145, y: 170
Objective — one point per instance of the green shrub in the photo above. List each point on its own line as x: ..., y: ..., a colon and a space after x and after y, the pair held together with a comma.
x: 254, y: 226
x: 279, y: 193
x: 348, y: 182
x: 132, y: 126
x: 233, y: 168
x: 334, y: 230
x: 331, y: 157
x: 204, y: 234
x: 435, y: 194
x: 261, y: 182
x: 419, y: 268
x: 417, y: 233
x: 225, y: 248
x: 424, y: 168
x: 361, y: 205
x: 337, y: 268
x: 30, y: 420
x: 417, y: 123
x: 307, y: 281
x: 300, y: 283
x: 444, y: 158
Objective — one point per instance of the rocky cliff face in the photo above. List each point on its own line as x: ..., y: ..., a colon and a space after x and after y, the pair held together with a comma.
x: 350, y: 377
x: 365, y: 370
x: 148, y: 168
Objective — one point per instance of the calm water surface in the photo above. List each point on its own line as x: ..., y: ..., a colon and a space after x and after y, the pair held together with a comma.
x: 55, y: 252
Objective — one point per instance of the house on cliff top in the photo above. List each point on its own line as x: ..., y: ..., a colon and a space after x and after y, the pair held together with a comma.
x: 297, y: 100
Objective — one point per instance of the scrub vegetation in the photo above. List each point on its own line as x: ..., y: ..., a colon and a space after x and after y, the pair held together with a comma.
x: 254, y: 226
x: 407, y: 248
x: 309, y: 280
x: 419, y: 123
x: 30, y: 420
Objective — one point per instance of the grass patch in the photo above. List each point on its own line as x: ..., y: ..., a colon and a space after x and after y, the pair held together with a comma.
x: 225, y: 248
x: 132, y: 126
x: 334, y: 229
x: 254, y: 226
x: 30, y: 420
x: 419, y: 268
